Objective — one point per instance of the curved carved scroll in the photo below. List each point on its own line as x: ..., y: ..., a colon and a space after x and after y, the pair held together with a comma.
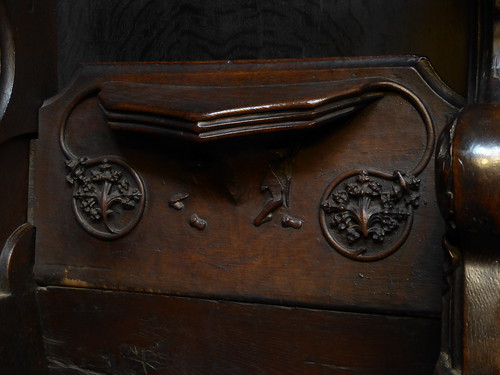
x: 467, y: 185
x: 108, y: 198
x: 108, y: 195
x: 367, y: 215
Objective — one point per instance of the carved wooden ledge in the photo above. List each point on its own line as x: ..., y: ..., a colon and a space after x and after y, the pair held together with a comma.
x: 468, y: 176
x: 216, y: 112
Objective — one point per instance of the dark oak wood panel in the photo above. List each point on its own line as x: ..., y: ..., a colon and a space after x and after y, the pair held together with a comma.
x: 99, y: 332
x: 235, y: 257
x: 197, y: 30
x: 21, y: 347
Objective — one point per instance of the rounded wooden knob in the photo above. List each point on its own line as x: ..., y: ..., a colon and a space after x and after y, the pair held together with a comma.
x: 468, y: 174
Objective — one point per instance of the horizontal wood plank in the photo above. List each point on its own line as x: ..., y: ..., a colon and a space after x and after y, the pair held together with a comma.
x: 102, y: 332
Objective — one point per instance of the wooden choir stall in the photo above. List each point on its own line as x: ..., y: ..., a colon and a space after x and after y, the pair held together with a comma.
x: 249, y: 187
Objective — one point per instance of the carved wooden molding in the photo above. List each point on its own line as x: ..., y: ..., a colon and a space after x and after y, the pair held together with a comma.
x: 103, y: 194
x: 216, y: 112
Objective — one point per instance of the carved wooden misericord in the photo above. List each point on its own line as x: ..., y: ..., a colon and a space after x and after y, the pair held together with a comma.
x: 279, y: 165
x: 244, y: 217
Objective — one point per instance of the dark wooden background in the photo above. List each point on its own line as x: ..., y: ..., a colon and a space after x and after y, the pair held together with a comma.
x: 178, y: 30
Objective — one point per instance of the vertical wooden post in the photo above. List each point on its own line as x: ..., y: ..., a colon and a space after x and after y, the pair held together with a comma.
x: 468, y: 186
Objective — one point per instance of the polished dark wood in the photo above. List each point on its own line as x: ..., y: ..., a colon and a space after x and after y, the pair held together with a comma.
x: 256, y: 216
x: 230, y: 111
x: 468, y: 175
x: 98, y: 332
x: 467, y: 181
x: 28, y: 64
x: 224, y: 251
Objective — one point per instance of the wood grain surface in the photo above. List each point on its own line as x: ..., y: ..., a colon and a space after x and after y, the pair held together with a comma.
x: 231, y: 258
x: 196, y: 30
x: 481, y: 341
x: 99, y: 332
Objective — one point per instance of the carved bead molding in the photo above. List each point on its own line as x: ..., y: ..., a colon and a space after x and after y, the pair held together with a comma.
x: 367, y: 215
x: 108, y: 196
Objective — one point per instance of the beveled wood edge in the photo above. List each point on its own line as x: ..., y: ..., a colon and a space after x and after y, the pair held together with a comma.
x: 259, y: 112
x: 93, y: 77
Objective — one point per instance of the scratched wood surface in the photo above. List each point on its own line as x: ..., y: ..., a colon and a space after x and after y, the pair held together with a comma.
x: 232, y: 258
x: 98, y: 332
x: 183, y: 30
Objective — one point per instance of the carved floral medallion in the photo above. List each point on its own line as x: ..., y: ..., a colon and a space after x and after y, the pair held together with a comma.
x: 108, y: 196
x: 367, y: 217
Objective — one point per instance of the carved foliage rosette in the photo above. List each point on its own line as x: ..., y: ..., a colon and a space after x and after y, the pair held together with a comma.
x: 108, y: 196
x: 367, y: 217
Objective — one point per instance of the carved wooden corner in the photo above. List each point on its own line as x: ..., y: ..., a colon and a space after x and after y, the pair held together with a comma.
x: 468, y: 182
